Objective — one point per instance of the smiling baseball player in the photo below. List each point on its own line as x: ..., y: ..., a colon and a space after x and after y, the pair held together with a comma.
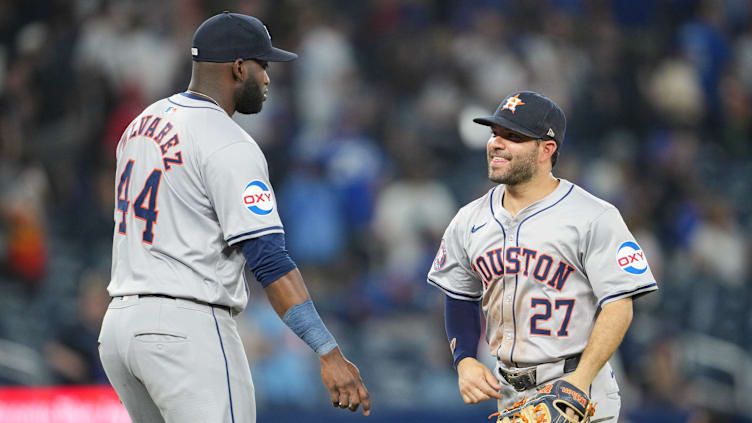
x: 195, y: 213
x: 553, y: 269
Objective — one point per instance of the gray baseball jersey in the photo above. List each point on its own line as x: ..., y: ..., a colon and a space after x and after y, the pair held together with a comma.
x: 190, y: 183
x: 541, y: 275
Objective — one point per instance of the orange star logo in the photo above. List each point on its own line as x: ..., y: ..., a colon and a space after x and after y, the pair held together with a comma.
x: 512, y: 103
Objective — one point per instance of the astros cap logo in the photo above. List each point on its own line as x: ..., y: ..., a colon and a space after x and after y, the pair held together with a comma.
x: 512, y: 103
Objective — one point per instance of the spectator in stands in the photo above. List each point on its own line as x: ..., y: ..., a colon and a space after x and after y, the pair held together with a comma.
x: 73, y: 354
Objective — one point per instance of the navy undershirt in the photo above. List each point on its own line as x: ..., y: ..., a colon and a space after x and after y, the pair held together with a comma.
x: 267, y: 258
x: 462, y: 322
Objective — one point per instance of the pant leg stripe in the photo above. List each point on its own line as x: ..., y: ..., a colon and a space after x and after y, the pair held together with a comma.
x: 227, y: 371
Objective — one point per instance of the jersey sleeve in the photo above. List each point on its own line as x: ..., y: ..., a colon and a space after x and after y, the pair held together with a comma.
x: 451, y: 271
x: 614, y: 263
x: 237, y: 183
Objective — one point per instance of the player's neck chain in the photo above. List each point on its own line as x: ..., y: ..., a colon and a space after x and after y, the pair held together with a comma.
x: 203, y: 95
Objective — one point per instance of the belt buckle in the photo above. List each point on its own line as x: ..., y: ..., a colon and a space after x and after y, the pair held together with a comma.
x: 523, y: 380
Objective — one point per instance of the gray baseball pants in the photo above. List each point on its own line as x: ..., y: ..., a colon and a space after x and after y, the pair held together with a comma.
x: 175, y: 360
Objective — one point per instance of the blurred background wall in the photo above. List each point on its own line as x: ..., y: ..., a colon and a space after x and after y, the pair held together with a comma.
x: 371, y: 151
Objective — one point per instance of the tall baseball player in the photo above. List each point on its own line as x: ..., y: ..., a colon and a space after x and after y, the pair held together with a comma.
x: 553, y: 268
x: 195, y: 214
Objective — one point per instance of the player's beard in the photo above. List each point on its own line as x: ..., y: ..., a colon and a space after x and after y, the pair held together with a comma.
x: 520, y: 169
x: 250, y: 99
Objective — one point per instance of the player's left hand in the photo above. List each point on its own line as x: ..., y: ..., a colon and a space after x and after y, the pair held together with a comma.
x: 342, y: 379
x: 580, y: 384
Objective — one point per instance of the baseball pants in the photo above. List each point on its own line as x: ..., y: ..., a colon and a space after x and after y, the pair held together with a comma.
x: 174, y: 360
x: 603, y: 391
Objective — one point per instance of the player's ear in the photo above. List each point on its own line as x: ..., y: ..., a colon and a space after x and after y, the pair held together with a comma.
x: 238, y: 70
x: 548, y: 149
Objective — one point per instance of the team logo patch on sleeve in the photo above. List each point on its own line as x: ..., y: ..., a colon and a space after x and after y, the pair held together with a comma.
x: 631, y: 258
x: 257, y: 197
x: 440, y: 259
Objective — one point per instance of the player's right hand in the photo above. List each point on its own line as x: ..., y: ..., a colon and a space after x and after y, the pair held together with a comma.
x: 476, y: 381
x: 343, y: 381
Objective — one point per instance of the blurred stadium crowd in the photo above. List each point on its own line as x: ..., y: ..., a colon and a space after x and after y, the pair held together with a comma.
x: 371, y: 151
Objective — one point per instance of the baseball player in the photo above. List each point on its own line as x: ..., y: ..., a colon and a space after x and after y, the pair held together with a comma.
x: 195, y: 214
x: 553, y: 269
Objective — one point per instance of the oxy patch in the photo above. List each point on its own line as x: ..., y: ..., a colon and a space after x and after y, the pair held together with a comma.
x: 631, y: 259
x: 257, y: 198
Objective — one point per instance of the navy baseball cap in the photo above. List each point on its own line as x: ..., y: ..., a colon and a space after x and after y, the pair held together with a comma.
x: 531, y: 114
x: 230, y: 36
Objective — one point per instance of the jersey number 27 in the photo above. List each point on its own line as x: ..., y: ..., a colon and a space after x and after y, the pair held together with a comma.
x: 143, y: 210
x: 545, y: 315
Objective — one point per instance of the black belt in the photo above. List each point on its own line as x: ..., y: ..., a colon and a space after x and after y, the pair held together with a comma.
x: 226, y: 308
x: 528, y: 379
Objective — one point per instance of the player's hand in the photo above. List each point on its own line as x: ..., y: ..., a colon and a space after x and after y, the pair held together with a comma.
x: 575, y: 379
x: 343, y: 381
x: 476, y: 381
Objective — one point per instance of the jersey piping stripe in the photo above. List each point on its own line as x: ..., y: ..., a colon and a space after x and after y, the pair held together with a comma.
x: 504, y: 248
x: 630, y: 293
x: 227, y: 370
x: 459, y: 294
x: 270, y: 228
x: 196, y: 107
x: 197, y: 97
x: 490, y: 202
x: 516, y: 277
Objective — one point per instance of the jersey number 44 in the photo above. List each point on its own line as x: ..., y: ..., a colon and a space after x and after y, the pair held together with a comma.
x: 145, y: 205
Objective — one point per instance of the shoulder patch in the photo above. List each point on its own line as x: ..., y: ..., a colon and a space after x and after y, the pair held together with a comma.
x: 631, y: 259
x: 257, y: 198
x: 440, y: 260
